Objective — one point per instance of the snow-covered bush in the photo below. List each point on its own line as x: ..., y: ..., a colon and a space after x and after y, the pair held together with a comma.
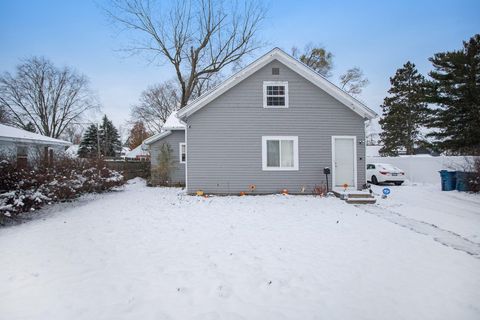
x: 24, y: 190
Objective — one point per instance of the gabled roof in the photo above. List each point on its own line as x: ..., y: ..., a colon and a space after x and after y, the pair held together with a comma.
x: 173, y: 122
x: 292, y: 63
x: 156, y: 137
x: 12, y: 134
x: 137, y: 152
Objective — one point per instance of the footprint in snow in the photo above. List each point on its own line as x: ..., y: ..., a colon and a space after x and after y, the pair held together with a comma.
x: 224, y: 291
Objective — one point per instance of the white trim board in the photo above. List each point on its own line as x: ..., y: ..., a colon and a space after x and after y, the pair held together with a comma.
x: 180, y: 144
x: 354, y: 138
x: 292, y: 63
x: 186, y: 164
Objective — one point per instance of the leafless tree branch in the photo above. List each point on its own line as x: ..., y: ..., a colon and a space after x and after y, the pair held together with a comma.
x: 197, y: 37
x: 47, y: 96
x: 353, y: 81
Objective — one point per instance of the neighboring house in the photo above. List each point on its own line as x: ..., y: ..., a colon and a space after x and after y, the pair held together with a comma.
x: 26, y: 146
x: 124, y: 152
x: 173, y: 134
x: 274, y: 125
x: 137, y: 153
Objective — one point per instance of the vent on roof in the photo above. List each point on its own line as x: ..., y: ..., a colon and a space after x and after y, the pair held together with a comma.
x: 275, y: 71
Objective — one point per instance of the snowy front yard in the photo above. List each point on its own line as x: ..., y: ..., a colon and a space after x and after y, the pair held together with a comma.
x: 153, y: 253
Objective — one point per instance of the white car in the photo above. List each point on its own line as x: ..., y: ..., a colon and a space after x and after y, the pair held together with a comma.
x: 384, y: 173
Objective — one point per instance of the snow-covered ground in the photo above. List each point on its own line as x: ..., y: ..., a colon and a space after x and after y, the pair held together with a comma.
x: 458, y: 212
x: 155, y: 253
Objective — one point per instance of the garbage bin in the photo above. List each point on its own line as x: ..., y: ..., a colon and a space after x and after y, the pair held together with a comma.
x: 449, y: 181
x: 463, y: 179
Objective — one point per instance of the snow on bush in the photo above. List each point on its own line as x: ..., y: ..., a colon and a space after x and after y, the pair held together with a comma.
x: 23, y: 190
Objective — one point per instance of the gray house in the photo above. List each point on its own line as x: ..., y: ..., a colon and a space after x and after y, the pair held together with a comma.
x: 173, y: 134
x: 274, y: 125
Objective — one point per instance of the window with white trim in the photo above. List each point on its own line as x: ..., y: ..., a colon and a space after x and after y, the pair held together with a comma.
x: 280, y: 153
x: 182, y: 152
x: 275, y: 94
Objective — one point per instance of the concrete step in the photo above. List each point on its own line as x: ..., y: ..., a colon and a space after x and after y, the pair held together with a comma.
x: 355, y: 196
x: 369, y: 200
x: 359, y: 195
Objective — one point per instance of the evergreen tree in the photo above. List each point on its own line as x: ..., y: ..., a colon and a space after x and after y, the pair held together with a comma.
x: 404, y: 111
x: 89, y: 145
x: 30, y: 127
x: 110, y: 145
x: 456, y: 91
x: 137, y: 135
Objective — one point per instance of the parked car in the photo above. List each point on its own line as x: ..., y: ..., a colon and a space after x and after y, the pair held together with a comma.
x: 384, y: 173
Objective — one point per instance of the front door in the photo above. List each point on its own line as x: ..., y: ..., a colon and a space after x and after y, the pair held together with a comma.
x: 344, y: 166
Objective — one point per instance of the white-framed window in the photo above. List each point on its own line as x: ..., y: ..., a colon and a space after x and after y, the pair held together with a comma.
x: 275, y: 94
x: 279, y: 153
x: 182, y: 148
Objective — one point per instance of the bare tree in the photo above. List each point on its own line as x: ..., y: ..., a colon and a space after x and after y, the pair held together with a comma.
x: 49, y: 97
x: 73, y: 133
x: 156, y: 104
x: 206, y: 83
x: 198, y: 37
x: 353, y: 81
x: 159, y: 101
x: 4, y: 117
x: 316, y: 57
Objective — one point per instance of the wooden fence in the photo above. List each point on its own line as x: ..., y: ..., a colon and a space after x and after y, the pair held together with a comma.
x: 130, y: 168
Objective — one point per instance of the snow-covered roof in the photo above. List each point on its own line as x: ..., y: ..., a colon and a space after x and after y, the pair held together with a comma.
x: 173, y: 122
x: 156, y: 137
x: 72, y: 151
x: 137, y: 152
x: 12, y: 134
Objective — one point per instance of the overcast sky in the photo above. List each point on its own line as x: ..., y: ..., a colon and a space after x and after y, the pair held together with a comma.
x: 377, y: 36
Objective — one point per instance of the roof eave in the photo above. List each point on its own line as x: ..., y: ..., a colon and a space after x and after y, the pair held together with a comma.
x: 172, y: 128
x: 156, y: 137
x: 35, y: 141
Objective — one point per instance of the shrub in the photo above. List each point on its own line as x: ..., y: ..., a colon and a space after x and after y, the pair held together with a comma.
x: 162, y: 172
x: 24, y: 190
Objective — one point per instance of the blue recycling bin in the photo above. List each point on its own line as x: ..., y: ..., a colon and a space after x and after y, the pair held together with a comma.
x: 463, y: 179
x: 449, y: 180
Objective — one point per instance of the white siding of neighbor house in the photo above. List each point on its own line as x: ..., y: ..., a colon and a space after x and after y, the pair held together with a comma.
x: 225, y: 136
x: 35, y: 152
x: 174, y: 139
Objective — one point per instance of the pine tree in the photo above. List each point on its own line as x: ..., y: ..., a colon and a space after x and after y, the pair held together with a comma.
x: 110, y: 145
x: 404, y: 111
x: 30, y: 127
x: 89, y: 144
x: 456, y: 91
x: 137, y: 135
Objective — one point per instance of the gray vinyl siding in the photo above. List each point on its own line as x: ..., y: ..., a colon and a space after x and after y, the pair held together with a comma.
x: 174, y: 139
x: 225, y: 136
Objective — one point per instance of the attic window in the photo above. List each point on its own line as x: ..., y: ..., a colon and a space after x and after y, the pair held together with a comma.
x: 275, y: 94
x: 275, y: 71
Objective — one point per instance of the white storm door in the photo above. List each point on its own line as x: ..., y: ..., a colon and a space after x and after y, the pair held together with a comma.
x: 344, y: 161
